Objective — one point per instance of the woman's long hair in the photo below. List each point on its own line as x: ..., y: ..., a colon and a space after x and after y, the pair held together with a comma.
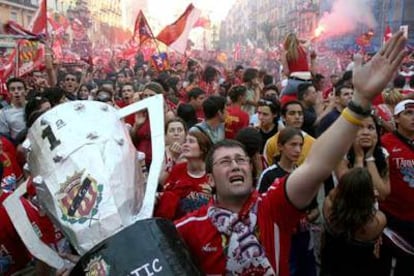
x: 291, y: 45
x: 353, y: 204
x: 378, y: 153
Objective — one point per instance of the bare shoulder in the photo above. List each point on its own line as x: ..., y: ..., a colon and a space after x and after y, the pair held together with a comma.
x: 373, y: 228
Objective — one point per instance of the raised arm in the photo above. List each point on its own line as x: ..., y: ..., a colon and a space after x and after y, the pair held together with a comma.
x: 369, y: 80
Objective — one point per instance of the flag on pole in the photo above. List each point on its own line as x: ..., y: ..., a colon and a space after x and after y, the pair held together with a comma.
x: 39, y: 22
x: 142, y: 30
x: 176, y: 34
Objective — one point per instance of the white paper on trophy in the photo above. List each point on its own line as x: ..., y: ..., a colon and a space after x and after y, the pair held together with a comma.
x: 79, y: 167
x: 76, y: 148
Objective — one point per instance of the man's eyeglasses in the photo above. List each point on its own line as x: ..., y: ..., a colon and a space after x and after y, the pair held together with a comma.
x: 227, y: 161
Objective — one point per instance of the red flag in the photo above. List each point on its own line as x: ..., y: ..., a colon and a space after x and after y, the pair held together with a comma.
x: 39, y: 22
x: 176, y: 34
x: 14, y: 28
x: 202, y: 22
x: 387, y: 33
x: 142, y: 30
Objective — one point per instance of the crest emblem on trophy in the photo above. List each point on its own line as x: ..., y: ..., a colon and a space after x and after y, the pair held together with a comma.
x: 79, y: 198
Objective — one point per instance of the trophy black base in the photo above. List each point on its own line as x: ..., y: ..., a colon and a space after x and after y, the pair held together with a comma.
x: 148, y: 247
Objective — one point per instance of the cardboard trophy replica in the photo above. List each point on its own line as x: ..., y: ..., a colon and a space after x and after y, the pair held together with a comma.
x: 89, y: 181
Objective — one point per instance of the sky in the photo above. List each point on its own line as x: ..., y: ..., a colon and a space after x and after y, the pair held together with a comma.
x: 217, y: 9
x: 167, y: 11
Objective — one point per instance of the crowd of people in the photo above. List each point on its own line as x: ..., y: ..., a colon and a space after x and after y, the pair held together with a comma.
x: 261, y: 175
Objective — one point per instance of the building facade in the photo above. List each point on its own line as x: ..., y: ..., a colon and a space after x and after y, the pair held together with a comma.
x: 21, y: 11
x: 265, y: 23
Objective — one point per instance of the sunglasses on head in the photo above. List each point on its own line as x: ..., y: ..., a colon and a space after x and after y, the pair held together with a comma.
x: 265, y: 102
x: 103, y: 97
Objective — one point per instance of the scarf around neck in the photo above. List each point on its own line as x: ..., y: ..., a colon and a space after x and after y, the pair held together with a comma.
x: 245, y: 254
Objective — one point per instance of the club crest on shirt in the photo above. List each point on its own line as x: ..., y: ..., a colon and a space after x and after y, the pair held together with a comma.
x: 97, y: 267
x: 79, y: 198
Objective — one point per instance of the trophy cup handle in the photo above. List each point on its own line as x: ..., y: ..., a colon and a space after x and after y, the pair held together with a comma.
x: 18, y: 216
x: 155, y: 106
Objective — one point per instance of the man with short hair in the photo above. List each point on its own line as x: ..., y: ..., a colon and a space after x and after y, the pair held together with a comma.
x: 240, y: 231
x: 214, y: 108
x: 238, y: 75
x: 292, y: 114
x: 343, y: 95
x: 196, y: 97
x: 312, y: 107
x: 236, y: 118
x: 71, y: 85
x: 399, y: 205
x: 12, y: 117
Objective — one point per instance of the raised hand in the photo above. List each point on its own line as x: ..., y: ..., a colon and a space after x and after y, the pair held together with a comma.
x: 371, y: 78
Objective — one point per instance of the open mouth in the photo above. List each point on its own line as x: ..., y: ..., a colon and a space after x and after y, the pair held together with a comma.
x: 238, y: 179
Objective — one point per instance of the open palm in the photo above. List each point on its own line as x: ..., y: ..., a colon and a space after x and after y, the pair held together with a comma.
x: 371, y: 78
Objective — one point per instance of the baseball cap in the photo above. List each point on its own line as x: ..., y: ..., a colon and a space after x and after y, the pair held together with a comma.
x: 403, y: 105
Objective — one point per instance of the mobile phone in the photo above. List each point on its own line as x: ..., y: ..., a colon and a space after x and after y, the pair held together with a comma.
x: 404, y: 28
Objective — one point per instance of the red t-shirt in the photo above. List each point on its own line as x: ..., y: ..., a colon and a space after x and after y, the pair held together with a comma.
x: 401, y: 161
x: 11, y: 246
x: 277, y: 218
x: 130, y: 119
x: 210, y: 88
x: 236, y: 119
x: 11, y: 152
x: 182, y: 193
x: 300, y: 64
x: 143, y: 141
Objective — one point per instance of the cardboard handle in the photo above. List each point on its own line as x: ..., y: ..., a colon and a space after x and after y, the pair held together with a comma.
x: 18, y: 217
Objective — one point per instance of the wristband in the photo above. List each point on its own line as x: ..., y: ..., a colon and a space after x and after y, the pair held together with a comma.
x: 351, y: 118
x: 356, y: 108
x: 370, y: 159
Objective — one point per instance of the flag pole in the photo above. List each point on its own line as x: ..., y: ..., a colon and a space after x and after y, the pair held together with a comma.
x: 16, y: 60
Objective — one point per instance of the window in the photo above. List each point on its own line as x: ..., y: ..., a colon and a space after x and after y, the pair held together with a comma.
x: 13, y: 16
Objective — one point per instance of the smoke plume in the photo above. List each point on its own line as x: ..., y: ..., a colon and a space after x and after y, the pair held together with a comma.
x: 345, y: 17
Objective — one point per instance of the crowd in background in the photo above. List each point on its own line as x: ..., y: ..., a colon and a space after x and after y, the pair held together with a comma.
x: 275, y: 118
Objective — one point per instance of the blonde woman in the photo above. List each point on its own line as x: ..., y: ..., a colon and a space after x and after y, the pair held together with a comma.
x: 295, y: 65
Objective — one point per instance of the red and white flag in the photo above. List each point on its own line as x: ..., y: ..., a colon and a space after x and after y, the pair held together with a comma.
x: 176, y: 34
x: 203, y: 22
